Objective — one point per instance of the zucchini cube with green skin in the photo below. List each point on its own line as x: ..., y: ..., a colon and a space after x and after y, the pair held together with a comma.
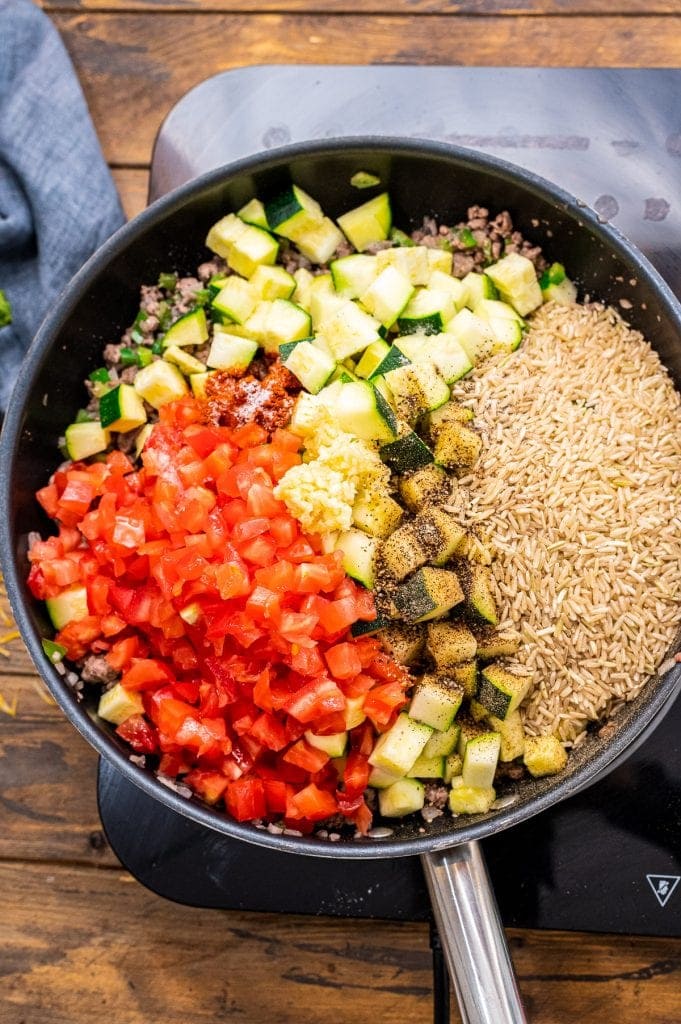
x: 183, y: 360
x: 428, y: 312
x: 453, y: 767
x: 468, y: 730
x: 416, y: 389
x: 428, y: 767
x: 493, y: 644
x: 252, y: 248
x: 504, y: 322
x: 404, y: 643
x: 334, y: 744
x: 478, y: 286
x: 512, y: 735
x: 402, y: 553
x: 465, y: 799
x: 254, y: 213
x: 303, y: 281
x: 361, y: 410
x: 231, y: 352
x: 450, y: 412
x: 412, y: 262
x: 480, y: 760
x: 457, y: 446
x: 442, y: 280
x: 372, y: 357
x: 86, y: 439
x: 118, y: 704
x: 397, y: 749
x: 448, y: 357
x: 379, y: 778
x: 362, y: 628
x: 224, y: 233
x: 368, y: 223
x: 198, y: 383
x: 440, y: 534
x: 359, y: 555
x: 478, y: 712
x: 160, y: 383
x: 440, y: 264
x: 556, y: 287
x: 473, y: 334
x: 320, y: 243
x: 404, y: 797
x: 516, y: 281
x: 450, y: 643
x: 352, y: 275
x: 393, y: 358
x: 428, y: 594
x: 69, y: 606
x: 501, y: 691
x: 323, y: 300
x: 271, y: 283
x: 388, y: 295
x: 424, y: 487
x: 476, y: 582
x: 310, y: 365
x: 121, y: 409
x: 434, y: 703
x: 465, y: 674
x: 236, y: 300
x: 443, y: 742
x: 544, y: 755
x: 349, y: 330
x: 406, y: 453
x: 283, y: 321
x: 190, y: 329
x: 293, y: 212
x: 377, y: 514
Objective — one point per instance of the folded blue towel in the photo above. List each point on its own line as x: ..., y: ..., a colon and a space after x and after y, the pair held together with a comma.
x: 58, y: 202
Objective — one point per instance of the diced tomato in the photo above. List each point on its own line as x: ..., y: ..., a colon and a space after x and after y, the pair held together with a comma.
x: 312, y: 803
x: 146, y: 674
x: 276, y: 795
x: 304, y: 756
x: 343, y: 661
x: 122, y: 652
x: 245, y: 798
x: 137, y: 731
x: 209, y: 785
x: 314, y: 699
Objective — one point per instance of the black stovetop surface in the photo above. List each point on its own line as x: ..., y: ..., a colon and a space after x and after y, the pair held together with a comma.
x: 608, y: 859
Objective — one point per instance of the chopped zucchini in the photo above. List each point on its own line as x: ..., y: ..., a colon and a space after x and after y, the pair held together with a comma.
x: 404, y: 797
x: 118, y: 704
x: 283, y: 321
x: 231, y: 352
x: 453, y: 767
x: 362, y: 628
x: 377, y: 514
x: 335, y: 744
x: 424, y: 487
x: 450, y: 643
x: 448, y: 357
x: 404, y: 643
x: 440, y: 534
x: 478, y: 286
x: 480, y: 760
x: 443, y: 742
x: 349, y: 330
x: 428, y: 767
x: 122, y: 409
x: 352, y: 275
x: 406, y: 453
x: 474, y: 335
x: 271, y: 283
x: 512, y: 735
x: 161, y: 382
x: 379, y: 778
x: 397, y: 749
x: 361, y: 410
x: 198, y: 383
x: 184, y: 360
x: 428, y: 594
x: 469, y: 800
x: 434, y: 703
x: 565, y: 293
x: 301, y: 296
x: 428, y: 312
x: 468, y: 730
x: 394, y: 357
x: 69, y: 606
x: 450, y: 412
x: 236, y: 300
x: 359, y: 555
x: 323, y: 300
x: 224, y: 233
x: 368, y: 223
x: 501, y: 691
x: 388, y: 295
x: 516, y: 281
x: 254, y: 213
x: 544, y: 755
x: 292, y: 212
x: 465, y: 673
x: 504, y: 322
x: 321, y: 242
x: 442, y: 280
x: 412, y: 262
x: 190, y: 329
x: 476, y: 582
x: 493, y: 644
x: 440, y: 263
x: 402, y: 552
x: 416, y: 389
x: 252, y: 248
x: 373, y: 356
x: 310, y: 365
x: 457, y: 446
x: 364, y: 179
x: 86, y: 439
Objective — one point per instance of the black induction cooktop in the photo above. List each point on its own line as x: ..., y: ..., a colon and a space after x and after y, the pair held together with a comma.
x: 609, y: 859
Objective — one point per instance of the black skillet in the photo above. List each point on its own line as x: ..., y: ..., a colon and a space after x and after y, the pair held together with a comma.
x: 424, y: 178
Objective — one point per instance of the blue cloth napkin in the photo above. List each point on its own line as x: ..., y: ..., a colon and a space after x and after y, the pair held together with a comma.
x: 58, y: 202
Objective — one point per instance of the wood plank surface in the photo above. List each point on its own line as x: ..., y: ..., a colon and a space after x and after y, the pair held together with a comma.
x: 411, y: 7
x: 81, y: 944
x: 132, y: 184
x: 134, y: 67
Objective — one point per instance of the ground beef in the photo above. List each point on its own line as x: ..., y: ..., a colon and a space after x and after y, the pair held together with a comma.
x: 129, y: 373
x: 96, y: 669
x: 151, y: 298
x: 375, y: 247
x: 292, y: 260
x: 344, y: 249
x: 211, y: 268
x: 436, y: 795
x: 493, y: 239
x: 112, y: 354
x: 184, y: 296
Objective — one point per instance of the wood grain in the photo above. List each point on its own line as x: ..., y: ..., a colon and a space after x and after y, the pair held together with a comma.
x: 104, y: 942
x: 411, y: 7
x: 132, y: 184
x: 48, y: 798
x: 133, y: 68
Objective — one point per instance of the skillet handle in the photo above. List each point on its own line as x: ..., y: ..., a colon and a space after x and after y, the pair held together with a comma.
x: 472, y: 935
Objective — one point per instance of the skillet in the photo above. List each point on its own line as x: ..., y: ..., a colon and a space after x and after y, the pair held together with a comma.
x: 424, y: 178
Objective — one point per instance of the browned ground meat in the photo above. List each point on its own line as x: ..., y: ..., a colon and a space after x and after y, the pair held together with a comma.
x: 152, y: 296
x: 436, y: 795
x: 211, y: 268
x: 493, y: 239
x: 96, y: 669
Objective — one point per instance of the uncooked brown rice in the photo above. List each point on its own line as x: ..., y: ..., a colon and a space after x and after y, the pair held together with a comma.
x: 579, y: 485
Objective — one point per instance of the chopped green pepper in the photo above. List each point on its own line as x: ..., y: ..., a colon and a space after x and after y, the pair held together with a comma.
x: 167, y: 281
x: 100, y: 376
x: 55, y: 652
x: 5, y: 310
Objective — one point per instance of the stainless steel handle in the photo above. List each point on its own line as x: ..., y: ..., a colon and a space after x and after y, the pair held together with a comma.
x: 472, y: 935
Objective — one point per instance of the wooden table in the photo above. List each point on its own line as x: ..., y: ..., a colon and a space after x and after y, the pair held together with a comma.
x: 79, y: 939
